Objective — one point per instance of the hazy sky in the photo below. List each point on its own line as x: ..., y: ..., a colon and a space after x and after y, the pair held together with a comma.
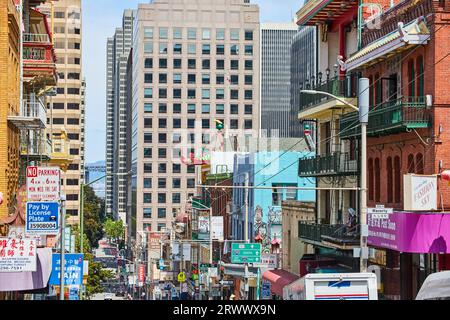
x: 100, y: 18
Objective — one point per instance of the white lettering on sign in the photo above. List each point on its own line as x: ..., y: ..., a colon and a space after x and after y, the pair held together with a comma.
x: 43, y: 183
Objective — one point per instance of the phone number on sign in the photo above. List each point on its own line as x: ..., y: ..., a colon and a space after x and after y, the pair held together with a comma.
x: 42, y: 225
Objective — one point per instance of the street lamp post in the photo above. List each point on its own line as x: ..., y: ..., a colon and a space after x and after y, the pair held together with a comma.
x: 363, y: 109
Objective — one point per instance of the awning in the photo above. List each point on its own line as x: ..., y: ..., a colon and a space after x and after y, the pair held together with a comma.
x: 279, y: 279
x: 20, y: 281
x: 414, y: 33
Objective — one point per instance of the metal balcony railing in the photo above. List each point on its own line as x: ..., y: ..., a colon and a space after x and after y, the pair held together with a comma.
x: 35, y: 147
x: 36, y: 38
x: 389, y: 117
x: 337, y: 163
x: 34, y: 109
x: 338, y: 87
x: 336, y: 233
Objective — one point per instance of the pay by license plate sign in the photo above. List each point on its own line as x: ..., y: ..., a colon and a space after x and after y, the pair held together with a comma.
x: 42, y: 218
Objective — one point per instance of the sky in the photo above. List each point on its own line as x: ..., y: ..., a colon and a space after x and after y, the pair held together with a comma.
x: 100, y: 18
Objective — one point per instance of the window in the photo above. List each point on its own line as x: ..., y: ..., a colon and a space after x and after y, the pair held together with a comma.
x: 191, y: 108
x: 148, y: 63
x: 176, y: 108
x: 205, y: 108
x: 161, y: 226
x: 206, y: 79
x: 176, y: 138
x: 220, y: 79
x: 371, y: 180
x: 234, y: 34
x: 147, y: 152
x: 191, y: 123
x: 234, y: 64
x: 377, y: 180
x: 162, y: 123
x: 191, y: 138
x: 390, y: 184
x: 234, y: 94
x: 206, y: 139
x: 162, y: 93
x: 177, y: 63
x: 74, y: 166
x: 248, y: 109
x: 74, y: 152
x: 162, y: 78
x: 60, y: 90
x: 279, y: 193
x: 148, y: 78
x: 72, y: 197
x: 220, y: 64
x: 234, y: 79
x: 206, y: 94
x: 177, y: 93
x: 60, y: 15
x: 190, y: 183
x: 234, y: 124
x: 161, y: 199
x: 206, y: 49
x: 162, y: 138
x: 220, y: 93
x: 191, y: 93
x: 147, y: 138
x: 148, y: 107
x: 190, y: 169
x: 163, y: 63
x: 176, y: 183
x: 147, y: 168
x: 73, y: 121
x: 148, y: 32
x: 176, y: 197
x: 162, y: 183
x: 162, y: 168
x: 177, y: 33
x: 206, y: 64
x: 248, y: 35
x: 248, y: 64
x: 163, y: 108
x: 191, y: 78
x: 163, y: 48
x: 163, y: 33
x: 176, y: 168
x: 161, y: 215
x: 192, y: 34
x: 192, y: 48
x: 147, y: 198
x: 205, y: 123
x: 148, y: 93
x: 162, y: 153
x: 58, y: 120
x: 73, y: 136
x: 234, y: 109
x: 176, y: 153
x: 378, y: 89
x: 147, y: 213
x: 177, y: 78
x: 397, y: 173
x: 248, y: 124
x: 248, y: 79
x: 420, y: 76
x: 191, y: 63
x: 73, y: 76
x: 220, y: 49
x: 72, y: 182
x: 73, y: 90
x: 248, y: 94
x: 234, y: 49
x: 220, y: 109
x: 176, y: 123
x: 206, y: 34
x: 220, y: 34
x: 147, y: 183
x: 72, y: 106
x: 148, y: 47
x: 248, y: 50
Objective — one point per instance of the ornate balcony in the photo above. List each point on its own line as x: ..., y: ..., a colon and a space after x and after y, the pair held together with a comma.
x: 33, y: 115
x: 35, y: 148
x: 335, y: 164
x: 336, y: 236
x: 60, y: 155
x: 390, y: 117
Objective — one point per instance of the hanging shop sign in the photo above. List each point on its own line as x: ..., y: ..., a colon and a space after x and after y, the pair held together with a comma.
x: 17, y: 255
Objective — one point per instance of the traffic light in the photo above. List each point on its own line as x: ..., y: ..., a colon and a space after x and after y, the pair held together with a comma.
x: 194, y: 272
x: 219, y: 125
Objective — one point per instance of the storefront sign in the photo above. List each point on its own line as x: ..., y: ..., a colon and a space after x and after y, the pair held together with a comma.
x: 73, y: 269
x: 17, y: 255
x: 203, y: 228
x: 43, y: 183
x: 268, y: 261
x: 420, y: 192
x: 411, y: 232
x: 141, y: 275
x: 217, y: 228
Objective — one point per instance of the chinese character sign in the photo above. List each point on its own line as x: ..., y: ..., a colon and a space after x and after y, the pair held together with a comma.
x: 43, y: 183
x: 73, y: 269
x: 17, y: 255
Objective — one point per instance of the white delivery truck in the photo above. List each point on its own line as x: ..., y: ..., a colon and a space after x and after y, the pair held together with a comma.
x: 333, y: 286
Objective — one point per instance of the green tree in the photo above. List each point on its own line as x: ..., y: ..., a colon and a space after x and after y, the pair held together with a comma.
x: 94, y: 215
x: 114, y: 230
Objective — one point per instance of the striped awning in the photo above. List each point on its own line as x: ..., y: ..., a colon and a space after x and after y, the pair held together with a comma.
x: 416, y: 33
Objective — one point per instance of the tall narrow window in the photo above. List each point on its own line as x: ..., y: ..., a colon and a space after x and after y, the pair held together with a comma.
x: 371, y: 91
x: 419, y: 163
x: 370, y: 179
x: 377, y: 180
x: 378, y: 90
x: 420, y: 77
x: 411, y: 79
x: 397, y: 181
x: 411, y: 164
x: 390, y: 185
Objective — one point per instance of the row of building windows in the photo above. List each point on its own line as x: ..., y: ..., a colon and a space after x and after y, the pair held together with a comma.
x: 61, y: 90
x: 70, y: 121
x: 192, y: 64
x: 192, y: 94
x: 162, y: 168
x: 177, y: 48
x: 62, y: 106
x: 162, y: 198
x: 148, y: 227
x: 193, y: 109
x: 232, y: 79
x: 192, y: 33
x: 205, y: 123
x: 162, y: 183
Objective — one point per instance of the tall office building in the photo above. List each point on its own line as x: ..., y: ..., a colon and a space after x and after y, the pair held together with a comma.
x: 67, y: 114
x: 276, y: 41
x: 303, y: 68
x: 118, y: 50
x: 194, y: 62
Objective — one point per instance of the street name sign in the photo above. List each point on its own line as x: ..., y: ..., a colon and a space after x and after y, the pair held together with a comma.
x: 380, y: 212
x: 246, y: 253
x: 42, y: 218
x: 43, y: 183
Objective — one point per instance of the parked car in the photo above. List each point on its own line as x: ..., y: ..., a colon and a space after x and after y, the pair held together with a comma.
x: 435, y: 287
x: 108, y: 296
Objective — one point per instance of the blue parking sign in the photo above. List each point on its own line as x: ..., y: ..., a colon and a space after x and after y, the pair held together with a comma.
x: 42, y: 218
x: 266, y: 292
x: 73, y: 271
